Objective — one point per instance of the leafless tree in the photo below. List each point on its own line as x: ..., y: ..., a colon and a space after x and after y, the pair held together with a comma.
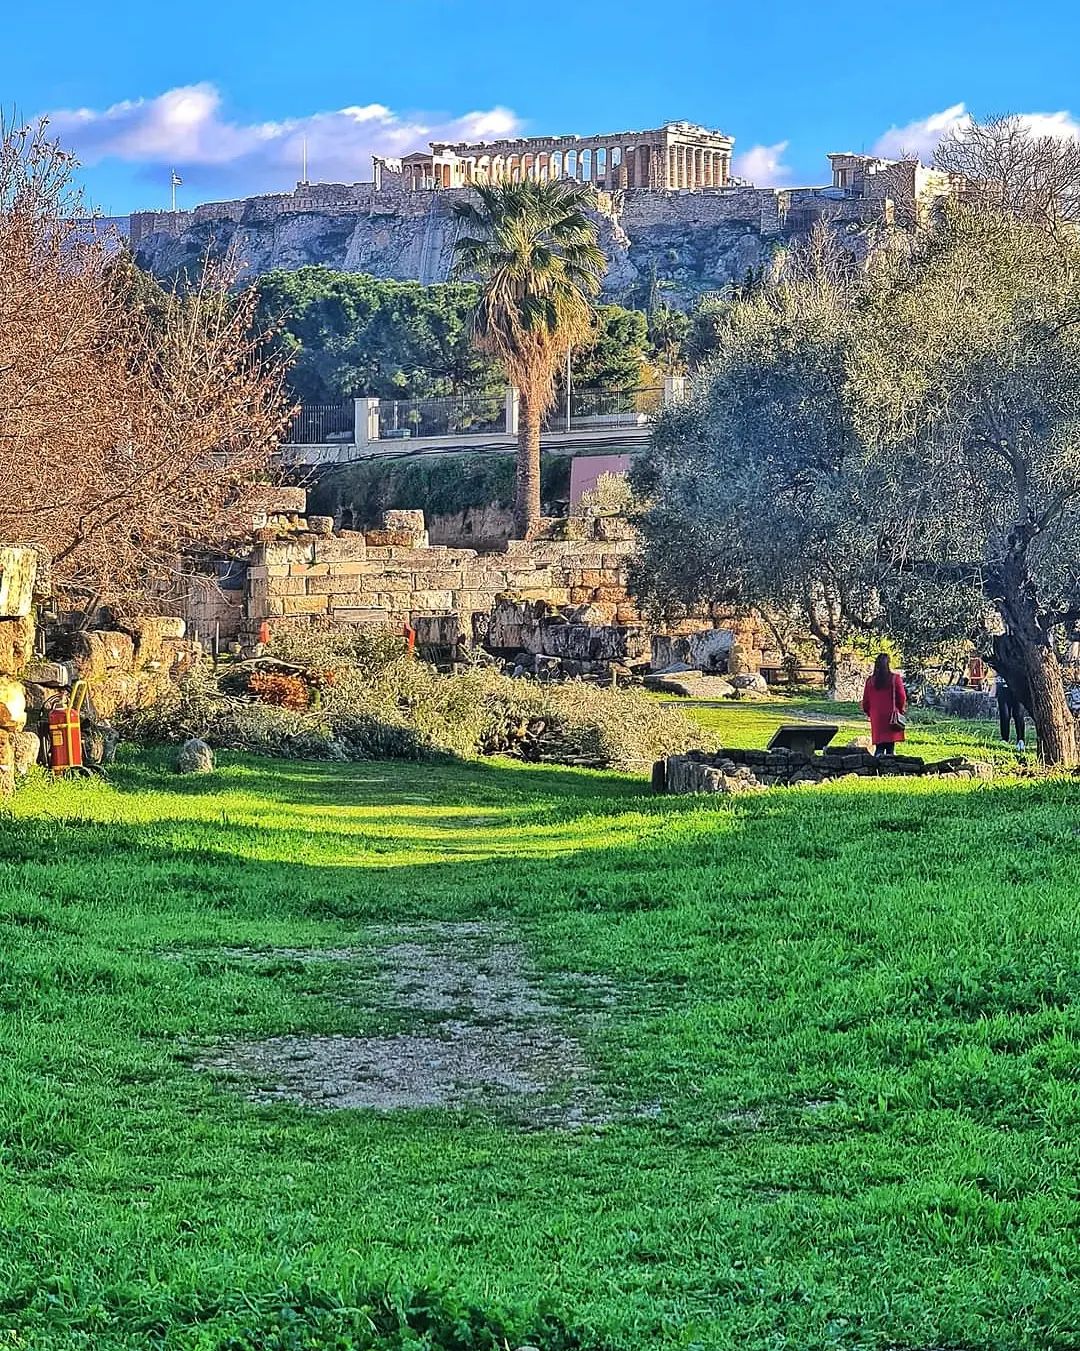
x: 127, y: 431
x: 1000, y: 163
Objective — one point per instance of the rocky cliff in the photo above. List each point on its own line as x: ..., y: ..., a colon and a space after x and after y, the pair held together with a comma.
x: 691, y: 241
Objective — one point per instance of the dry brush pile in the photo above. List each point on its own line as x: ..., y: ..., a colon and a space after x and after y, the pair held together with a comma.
x: 357, y: 695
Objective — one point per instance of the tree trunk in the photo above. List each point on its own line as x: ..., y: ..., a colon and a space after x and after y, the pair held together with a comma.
x: 1033, y: 673
x: 527, y: 484
x: 1026, y: 657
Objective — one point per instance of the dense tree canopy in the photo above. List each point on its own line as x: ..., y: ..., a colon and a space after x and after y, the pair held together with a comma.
x: 349, y: 334
x: 750, y: 499
x: 897, y: 450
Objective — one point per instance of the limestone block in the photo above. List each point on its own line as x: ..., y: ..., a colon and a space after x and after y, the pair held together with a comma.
x: 18, y: 573
x: 325, y: 586
x: 43, y: 579
x: 148, y: 632
x: 473, y: 602
x: 386, y: 539
x: 180, y: 655
x: 359, y: 615
x: 7, y: 764
x: 356, y: 569
x: 443, y: 580
x: 55, y: 674
x: 321, y: 525
x: 304, y: 605
x: 268, y: 499
x: 341, y: 549
x: 404, y: 520
x: 278, y: 551
x: 26, y: 749
x: 16, y: 644
x: 12, y: 705
x: 432, y: 600
x: 117, y: 648
x: 309, y: 570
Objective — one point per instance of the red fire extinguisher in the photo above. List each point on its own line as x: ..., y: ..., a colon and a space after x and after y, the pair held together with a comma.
x: 409, y: 634
x: 65, y: 732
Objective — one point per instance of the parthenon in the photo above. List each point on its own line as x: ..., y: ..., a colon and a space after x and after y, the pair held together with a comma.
x: 676, y: 155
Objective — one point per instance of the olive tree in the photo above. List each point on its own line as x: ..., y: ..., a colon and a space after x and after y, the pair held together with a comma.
x: 965, y: 382
x: 899, y: 453
x: 753, y: 487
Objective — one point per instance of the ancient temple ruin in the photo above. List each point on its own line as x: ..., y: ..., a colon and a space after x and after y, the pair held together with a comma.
x: 676, y: 155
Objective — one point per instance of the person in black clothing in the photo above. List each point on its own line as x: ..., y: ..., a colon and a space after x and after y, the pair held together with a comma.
x: 1010, y: 711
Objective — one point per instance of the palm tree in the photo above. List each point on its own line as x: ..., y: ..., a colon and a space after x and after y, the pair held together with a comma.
x: 535, y: 251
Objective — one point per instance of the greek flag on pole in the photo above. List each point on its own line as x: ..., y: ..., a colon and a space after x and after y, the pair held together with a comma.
x: 176, y: 179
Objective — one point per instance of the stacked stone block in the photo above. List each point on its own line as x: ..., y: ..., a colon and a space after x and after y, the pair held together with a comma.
x: 736, y: 771
x: 24, y: 579
x: 392, y: 577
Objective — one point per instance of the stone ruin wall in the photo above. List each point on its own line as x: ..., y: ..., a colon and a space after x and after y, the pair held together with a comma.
x: 353, y: 578
x: 24, y: 582
x: 563, y: 604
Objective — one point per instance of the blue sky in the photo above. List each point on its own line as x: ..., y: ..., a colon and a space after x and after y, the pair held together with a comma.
x: 225, y: 91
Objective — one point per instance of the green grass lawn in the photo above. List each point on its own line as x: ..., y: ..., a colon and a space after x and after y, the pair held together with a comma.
x: 930, y: 735
x: 840, y: 1035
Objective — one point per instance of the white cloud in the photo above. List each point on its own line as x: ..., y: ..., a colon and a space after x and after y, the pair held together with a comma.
x: 923, y: 137
x: 186, y: 129
x: 763, y: 165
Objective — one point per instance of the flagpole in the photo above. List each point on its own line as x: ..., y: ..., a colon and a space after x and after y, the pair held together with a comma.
x: 172, y: 181
x: 304, y: 179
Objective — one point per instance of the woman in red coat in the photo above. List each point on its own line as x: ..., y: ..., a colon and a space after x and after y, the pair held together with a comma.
x: 884, y: 701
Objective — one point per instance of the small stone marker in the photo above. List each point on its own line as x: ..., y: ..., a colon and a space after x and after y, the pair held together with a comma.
x: 804, y: 737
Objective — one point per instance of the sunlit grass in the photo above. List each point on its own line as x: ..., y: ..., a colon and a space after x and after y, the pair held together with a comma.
x: 929, y: 735
x: 844, y: 1035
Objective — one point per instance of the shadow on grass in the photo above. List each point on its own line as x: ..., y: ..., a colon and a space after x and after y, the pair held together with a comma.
x: 456, y: 841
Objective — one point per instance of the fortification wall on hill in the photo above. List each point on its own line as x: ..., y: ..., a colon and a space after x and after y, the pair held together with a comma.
x: 691, y: 241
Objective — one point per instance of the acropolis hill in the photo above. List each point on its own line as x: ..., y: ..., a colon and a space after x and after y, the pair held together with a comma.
x: 666, y: 203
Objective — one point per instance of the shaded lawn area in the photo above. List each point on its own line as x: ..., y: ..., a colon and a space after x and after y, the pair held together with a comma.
x: 851, y: 1010
x: 930, y: 735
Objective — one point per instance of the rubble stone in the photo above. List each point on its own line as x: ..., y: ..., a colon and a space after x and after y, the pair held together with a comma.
x: 195, y: 757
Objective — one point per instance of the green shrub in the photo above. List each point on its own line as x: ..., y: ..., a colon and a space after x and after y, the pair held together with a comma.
x: 440, y: 485
x: 381, y: 703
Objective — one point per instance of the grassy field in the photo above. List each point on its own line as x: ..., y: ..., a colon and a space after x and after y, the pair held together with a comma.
x: 835, y: 1030
x: 929, y: 735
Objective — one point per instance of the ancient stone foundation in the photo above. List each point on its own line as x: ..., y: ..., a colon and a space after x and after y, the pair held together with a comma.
x: 739, y: 771
x: 391, y: 577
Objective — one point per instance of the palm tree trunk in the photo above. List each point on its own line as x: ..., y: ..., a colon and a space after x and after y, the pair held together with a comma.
x: 527, y: 486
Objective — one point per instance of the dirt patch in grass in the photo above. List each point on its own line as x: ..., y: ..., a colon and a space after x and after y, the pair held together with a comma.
x: 459, y: 1064
x: 488, y: 1033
